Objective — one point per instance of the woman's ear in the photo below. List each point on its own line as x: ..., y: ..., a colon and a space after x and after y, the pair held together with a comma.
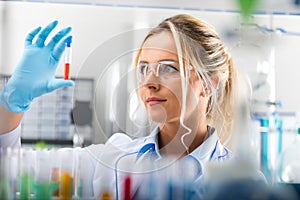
x: 196, y: 83
x: 207, y: 91
x: 216, y: 81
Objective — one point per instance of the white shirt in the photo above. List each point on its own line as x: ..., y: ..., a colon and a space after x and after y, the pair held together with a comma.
x: 98, y: 162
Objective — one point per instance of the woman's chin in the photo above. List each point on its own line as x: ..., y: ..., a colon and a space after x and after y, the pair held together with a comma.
x: 161, y: 118
x: 157, y: 117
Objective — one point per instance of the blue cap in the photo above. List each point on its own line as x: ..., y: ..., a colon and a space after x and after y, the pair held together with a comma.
x: 69, y: 41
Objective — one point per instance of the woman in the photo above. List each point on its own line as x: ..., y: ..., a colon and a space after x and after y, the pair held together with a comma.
x: 185, y: 78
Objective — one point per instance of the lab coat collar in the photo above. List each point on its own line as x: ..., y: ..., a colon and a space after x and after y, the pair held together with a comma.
x: 203, y: 153
x: 153, y: 138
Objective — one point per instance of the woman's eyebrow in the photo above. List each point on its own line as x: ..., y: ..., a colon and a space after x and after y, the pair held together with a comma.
x: 142, y: 61
x: 169, y: 60
x: 163, y: 60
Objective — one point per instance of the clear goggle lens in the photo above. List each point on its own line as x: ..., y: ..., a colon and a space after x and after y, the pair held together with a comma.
x: 165, y: 70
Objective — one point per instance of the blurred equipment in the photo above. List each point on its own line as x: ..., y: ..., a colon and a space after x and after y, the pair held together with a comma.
x: 49, y: 117
x: 81, y: 119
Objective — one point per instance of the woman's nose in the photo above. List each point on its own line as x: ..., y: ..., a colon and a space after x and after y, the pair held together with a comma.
x: 152, y: 82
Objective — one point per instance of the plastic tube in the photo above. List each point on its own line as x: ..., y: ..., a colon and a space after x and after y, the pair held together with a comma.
x: 68, y: 52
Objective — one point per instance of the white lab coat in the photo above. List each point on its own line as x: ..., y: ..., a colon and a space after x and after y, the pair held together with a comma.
x: 97, y: 162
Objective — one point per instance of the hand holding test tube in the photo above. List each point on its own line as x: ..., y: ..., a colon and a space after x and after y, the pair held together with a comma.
x: 35, y: 73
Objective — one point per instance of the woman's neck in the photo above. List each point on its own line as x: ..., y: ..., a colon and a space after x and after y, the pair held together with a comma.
x: 170, y: 136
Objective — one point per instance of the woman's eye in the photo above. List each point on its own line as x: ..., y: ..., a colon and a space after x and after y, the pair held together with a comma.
x: 143, y: 68
x: 168, y: 68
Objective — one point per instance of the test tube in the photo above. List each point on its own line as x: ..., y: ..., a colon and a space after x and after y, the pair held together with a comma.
x: 68, y: 59
x: 106, y: 195
x: 66, y: 174
x: 127, y: 187
x: 25, y: 174
x: 44, y: 187
x: 264, y: 149
x: 66, y: 186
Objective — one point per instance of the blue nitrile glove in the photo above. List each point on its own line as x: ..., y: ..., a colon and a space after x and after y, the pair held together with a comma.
x: 35, y: 73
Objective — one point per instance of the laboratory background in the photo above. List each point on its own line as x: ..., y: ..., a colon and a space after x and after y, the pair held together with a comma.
x: 263, y: 37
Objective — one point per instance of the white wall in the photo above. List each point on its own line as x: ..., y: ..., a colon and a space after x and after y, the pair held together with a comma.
x: 105, y: 36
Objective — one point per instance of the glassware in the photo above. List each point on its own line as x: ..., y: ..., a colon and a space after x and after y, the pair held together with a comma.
x: 288, y: 167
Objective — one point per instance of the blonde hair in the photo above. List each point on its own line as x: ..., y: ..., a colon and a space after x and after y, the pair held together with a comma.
x: 199, y: 45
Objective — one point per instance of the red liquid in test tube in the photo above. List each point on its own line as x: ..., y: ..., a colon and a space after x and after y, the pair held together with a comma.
x: 68, y: 59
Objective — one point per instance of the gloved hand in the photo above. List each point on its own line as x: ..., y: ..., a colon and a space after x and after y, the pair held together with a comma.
x: 35, y: 73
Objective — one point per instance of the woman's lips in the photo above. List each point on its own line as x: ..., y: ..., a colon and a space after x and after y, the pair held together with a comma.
x: 154, y: 100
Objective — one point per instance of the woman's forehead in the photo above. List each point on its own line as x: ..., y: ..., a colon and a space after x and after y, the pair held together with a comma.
x: 158, y: 47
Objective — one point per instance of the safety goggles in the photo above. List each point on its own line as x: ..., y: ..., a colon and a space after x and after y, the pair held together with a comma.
x: 165, y: 70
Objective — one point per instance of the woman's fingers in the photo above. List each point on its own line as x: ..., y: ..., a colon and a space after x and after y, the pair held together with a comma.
x: 56, y: 44
x: 31, y: 35
x: 44, y: 33
x: 59, y: 48
x: 62, y: 33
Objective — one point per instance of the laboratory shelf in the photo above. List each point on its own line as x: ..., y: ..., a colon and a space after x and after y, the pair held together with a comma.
x: 52, y: 143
